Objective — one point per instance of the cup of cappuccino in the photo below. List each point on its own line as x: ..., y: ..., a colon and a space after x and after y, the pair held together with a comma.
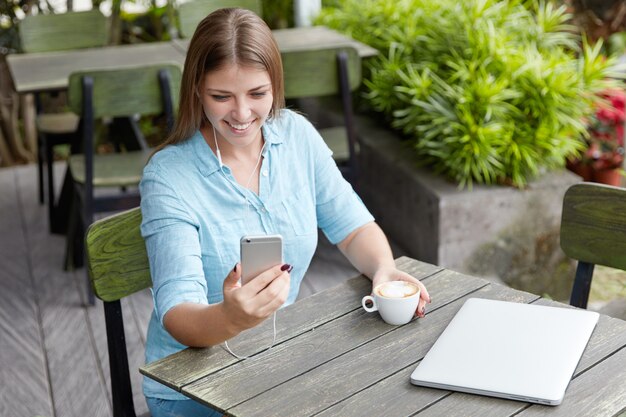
x: 395, y: 301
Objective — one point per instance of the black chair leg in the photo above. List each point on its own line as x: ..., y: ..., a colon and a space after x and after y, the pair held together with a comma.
x: 582, y: 285
x: 91, y: 298
x: 74, y: 248
x: 121, y: 389
x: 48, y: 148
x: 40, y: 152
x: 87, y: 219
x: 75, y: 255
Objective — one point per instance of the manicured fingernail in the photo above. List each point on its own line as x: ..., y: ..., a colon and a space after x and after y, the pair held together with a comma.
x: 235, y: 268
x: 285, y: 267
x: 423, y: 310
x: 290, y: 269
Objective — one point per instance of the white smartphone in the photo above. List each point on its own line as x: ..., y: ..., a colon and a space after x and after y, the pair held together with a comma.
x: 258, y: 254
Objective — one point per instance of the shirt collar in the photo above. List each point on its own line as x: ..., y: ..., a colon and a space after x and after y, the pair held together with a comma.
x: 207, y: 161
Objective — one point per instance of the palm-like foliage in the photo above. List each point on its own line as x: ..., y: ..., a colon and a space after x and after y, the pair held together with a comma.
x: 490, y: 90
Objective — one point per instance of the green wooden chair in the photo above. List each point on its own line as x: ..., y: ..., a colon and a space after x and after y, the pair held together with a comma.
x: 117, y: 264
x: 50, y: 33
x: 191, y: 13
x: 146, y: 90
x: 328, y: 72
x: 593, y: 231
x: 59, y: 32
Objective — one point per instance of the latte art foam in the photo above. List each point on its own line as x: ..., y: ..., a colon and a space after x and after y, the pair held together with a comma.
x: 396, y: 289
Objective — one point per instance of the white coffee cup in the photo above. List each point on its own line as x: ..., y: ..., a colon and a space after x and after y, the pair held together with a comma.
x: 396, y: 301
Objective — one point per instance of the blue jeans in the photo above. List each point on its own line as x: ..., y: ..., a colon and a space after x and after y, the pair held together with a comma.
x: 179, y: 408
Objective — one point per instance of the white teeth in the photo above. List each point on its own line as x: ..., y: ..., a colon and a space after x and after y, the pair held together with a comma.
x: 240, y: 127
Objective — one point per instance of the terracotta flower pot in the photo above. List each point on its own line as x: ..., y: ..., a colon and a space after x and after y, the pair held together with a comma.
x: 608, y: 176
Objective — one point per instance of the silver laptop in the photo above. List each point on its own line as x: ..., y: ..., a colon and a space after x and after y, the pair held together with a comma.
x: 502, y: 349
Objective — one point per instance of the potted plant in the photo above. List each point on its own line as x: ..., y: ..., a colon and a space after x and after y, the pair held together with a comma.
x: 492, y: 92
x: 486, y: 94
x: 603, y: 159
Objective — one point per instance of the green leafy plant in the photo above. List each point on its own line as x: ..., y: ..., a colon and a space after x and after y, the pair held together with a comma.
x: 489, y: 91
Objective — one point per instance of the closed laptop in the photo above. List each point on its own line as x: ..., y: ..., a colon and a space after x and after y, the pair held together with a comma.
x: 523, y: 352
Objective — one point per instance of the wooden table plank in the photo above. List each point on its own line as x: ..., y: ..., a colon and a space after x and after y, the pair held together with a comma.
x: 233, y: 385
x: 365, y: 366
x: 597, y: 392
x: 190, y: 365
x: 30, y: 76
x: 306, y: 38
x: 398, y: 397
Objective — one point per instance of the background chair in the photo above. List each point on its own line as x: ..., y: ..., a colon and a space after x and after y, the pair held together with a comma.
x: 329, y: 72
x: 191, y: 13
x: 57, y: 32
x: 118, y: 267
x: 593, y: 231
x: 147, y: 90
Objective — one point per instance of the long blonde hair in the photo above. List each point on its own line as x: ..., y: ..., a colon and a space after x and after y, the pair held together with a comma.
x: 225, y: 37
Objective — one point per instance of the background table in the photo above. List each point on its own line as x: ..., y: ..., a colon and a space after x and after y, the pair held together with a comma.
x: 46, y: 71
x: 332, y: 358
x: 49, y: 71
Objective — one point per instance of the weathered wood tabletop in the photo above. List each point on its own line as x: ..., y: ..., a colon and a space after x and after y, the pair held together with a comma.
x: 331, y: 358
x: 49, y: 71
x: 46, y: 71
x: 306, y: 38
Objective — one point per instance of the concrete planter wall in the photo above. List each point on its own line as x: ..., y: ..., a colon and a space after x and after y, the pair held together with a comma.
x: 500, y: 232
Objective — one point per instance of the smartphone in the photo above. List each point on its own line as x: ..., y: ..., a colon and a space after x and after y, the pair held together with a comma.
x: 258, y: 254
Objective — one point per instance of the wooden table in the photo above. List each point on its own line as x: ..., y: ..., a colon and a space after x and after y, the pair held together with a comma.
x: 306, y: 38
x: 333, y: 359
x: 46, y: 71
x: 49, y: 71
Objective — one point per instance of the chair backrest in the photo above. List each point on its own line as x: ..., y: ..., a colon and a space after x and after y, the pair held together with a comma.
x: 314, y: 73
x: 116, y: 256
x: 117, y: 264
x: 59, y: 32
x: 192, y: 12
x: 593, y: 232
x: 124, y: 91
x: 333, y: 71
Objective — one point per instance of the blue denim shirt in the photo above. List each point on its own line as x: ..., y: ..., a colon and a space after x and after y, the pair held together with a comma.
x: 194, y: 214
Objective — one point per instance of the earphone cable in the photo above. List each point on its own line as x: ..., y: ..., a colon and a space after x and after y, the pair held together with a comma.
x: 267, y: 348
x: 247, y: 202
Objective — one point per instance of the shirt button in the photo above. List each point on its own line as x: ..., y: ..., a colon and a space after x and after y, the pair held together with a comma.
x: 265, y: 173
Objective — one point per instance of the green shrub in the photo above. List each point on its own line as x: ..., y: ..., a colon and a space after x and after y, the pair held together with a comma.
x: 490, y: 91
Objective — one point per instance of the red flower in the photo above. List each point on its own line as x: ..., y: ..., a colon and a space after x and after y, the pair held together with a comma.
x: 605, y: 144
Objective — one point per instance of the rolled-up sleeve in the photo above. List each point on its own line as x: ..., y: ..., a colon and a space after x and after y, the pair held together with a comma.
x: 339, y: 209
x: 173, y: 246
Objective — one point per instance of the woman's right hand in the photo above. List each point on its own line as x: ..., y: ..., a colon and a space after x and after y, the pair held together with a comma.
x: 247, y: 306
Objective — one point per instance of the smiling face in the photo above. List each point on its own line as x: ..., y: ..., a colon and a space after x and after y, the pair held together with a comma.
x: 237, y: 100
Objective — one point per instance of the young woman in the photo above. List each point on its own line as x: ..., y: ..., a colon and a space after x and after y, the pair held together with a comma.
x: 238, y: 164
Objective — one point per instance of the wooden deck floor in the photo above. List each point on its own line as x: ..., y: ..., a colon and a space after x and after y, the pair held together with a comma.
x: 53, y: 357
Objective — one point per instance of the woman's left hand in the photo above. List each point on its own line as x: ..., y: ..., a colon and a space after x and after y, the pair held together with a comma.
x: 385, y: 274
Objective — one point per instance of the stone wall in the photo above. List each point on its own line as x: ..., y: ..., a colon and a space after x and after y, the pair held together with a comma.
x: 507, y: 234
